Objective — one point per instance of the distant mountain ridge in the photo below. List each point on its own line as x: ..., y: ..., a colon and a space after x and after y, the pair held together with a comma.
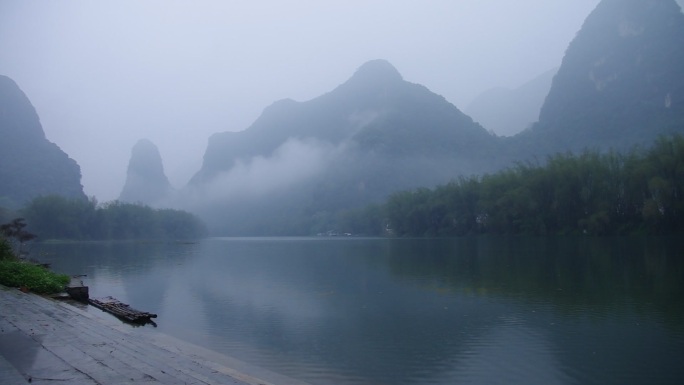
x: 30, y: 165
x: 509, y: 111
x: 621, y: 84
x: 373, y: 135
x: 146, y: 181
x: 360, y: 110
x: 303, y: 165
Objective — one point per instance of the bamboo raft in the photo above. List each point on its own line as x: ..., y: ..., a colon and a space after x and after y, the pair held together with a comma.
x: 121, y: 310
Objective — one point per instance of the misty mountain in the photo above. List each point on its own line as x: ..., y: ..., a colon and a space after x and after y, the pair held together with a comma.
x: 146, y: 181
x: 301, y: 166
x: 371, y: 136
x: 30, y: 165
x: 376, y: 110
x: 509, y: 111
x: 621, y: 82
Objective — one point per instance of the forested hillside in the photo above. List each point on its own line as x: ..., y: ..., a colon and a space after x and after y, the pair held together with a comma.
x: 594, y: 193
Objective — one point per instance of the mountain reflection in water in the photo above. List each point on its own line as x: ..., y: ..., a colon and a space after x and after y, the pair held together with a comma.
x: 481, y: 310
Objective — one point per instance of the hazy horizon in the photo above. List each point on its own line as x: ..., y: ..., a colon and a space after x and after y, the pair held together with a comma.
x: 104, y: 75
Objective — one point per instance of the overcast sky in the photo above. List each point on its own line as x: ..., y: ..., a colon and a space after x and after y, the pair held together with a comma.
x: 103, y: 74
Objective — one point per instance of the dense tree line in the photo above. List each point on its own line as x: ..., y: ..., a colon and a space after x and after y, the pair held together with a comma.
x: 596, y: 193
x: 57, y: 217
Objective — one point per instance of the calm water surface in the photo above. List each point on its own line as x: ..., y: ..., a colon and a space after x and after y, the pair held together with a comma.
x: 410, y: 311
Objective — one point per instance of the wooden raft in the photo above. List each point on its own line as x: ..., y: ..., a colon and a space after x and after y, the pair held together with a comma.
x: 125, y: 312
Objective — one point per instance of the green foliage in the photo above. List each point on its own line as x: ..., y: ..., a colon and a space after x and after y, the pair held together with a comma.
x: 590, y: 193
x: 33, y: 277
x: 56, y: 217
x: 6, y: 252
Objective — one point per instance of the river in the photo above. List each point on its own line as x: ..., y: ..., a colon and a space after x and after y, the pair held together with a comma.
x: 350, y: 311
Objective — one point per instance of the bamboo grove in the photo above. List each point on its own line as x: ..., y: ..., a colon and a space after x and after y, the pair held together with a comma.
x: 593, y: 193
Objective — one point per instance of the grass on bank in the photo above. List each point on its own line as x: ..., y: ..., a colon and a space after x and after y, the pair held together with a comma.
x: 17, y: 273
x: 33, y: 277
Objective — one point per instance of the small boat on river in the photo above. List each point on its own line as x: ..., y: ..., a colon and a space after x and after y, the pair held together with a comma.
x: 121, y: 310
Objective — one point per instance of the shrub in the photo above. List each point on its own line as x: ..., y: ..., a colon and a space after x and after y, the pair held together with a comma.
x: 34, y: 277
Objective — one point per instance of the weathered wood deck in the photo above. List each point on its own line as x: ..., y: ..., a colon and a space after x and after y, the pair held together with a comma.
x: 51, y: 342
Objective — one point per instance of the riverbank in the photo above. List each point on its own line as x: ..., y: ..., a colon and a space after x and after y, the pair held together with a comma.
x: 43, y: 341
